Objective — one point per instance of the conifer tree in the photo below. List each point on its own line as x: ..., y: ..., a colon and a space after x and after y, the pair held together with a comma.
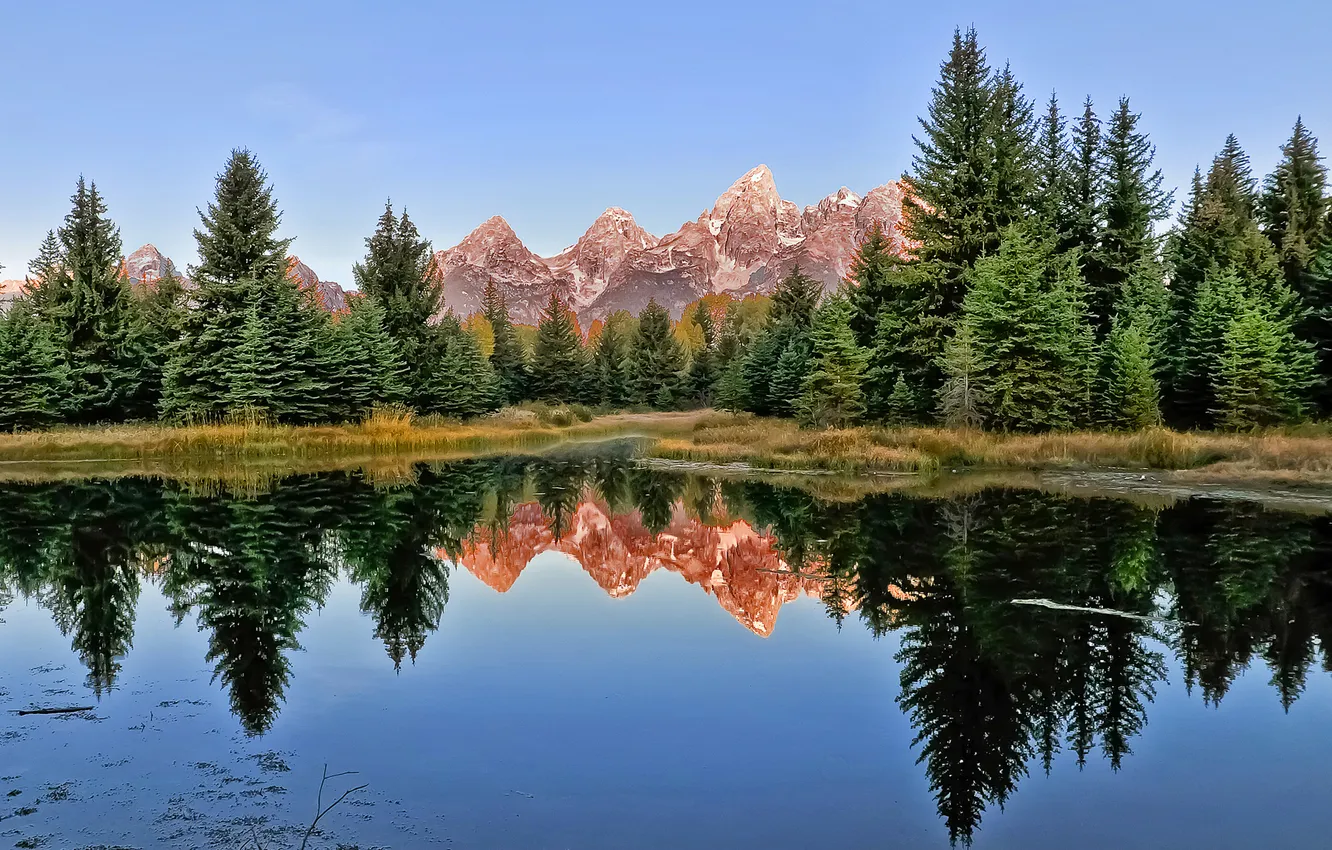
x: 47, y: 283
x: 901, y: 407
x: 558, y: 360
x: 870, y: 273
x: 1130, y: 397
x: 1217, y: 303
x: 788, y: 375
x: 158, y: 315
x: 34, y: 380
x: 1133, y: 203
x: 1011, y: 137
x: 962, y: 399
x: 255, y: 372
x: 832, y: 393
x: 93, y: 323
x: 1293, y: 205
x: 609, y: 373
x: 368, y: 369
x: 1027, y: 315
x: 1256, y: 382
x: 1316, y: 327
x: 463, y: 383
x: 732, y: 391
x: 701, y: 380
x: 508, y: 359
x: 1052, y: 170
x: 399, y: 274
x: 656, y: 360
x: 243, y: 268
x: 1083, y: 187
x: 778, y: 360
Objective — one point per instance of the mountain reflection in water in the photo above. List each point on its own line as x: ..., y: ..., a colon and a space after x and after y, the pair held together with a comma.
x: 992, y: 689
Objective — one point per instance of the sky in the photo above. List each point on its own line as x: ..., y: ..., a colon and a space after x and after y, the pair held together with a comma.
x: 547, y: 113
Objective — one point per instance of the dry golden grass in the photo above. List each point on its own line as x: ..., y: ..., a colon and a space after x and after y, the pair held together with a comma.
x: 1303, y: 455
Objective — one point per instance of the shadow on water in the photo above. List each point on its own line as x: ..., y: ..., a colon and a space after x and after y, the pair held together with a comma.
x: 992, y: 689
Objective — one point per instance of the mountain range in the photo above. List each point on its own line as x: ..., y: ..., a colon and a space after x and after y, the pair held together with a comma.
x: 744, y: 244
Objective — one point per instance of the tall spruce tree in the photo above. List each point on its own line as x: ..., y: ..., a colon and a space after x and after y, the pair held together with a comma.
x: 399, y: 275
x: 609, y: 371
x: 94, y: 322
x: 870, y: 275
x: 1083, y: 187
x: 368, y: 369
x: 1133, y: 202
x: 777, y: 361
x: 158, y: 315
x: 1257, y: 383
x: 243, y: 269
x: 508, y: 358
x: 463, y: 383
x: 1316, y: 326
x: 1293, y: 205
x: 656, y: 359
x: 1027, y: 315
x: 1130, y: 396
x: 1052, y: 170
x: 831, y: 392
x: 701, y: 381
x: 47, y: 283
x: 34, y: 380
x: 558, y: 360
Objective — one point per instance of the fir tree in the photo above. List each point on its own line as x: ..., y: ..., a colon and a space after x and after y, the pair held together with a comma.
x: 94, y: 322
x: 34, y: 380
x: 399, y: 274
x: 1130, y: 398
x: 701, y: 381
x: 656, y: 359
x: 870, y: 278
x: 732, y: 391
x: 508, y: 359
x: 558, y: 361
x: 47, y: 284
x: 1217, y: 303
x: 463, y: 383
x: 1083, y: 187
x: 158, y: 315
x: 1052, y: 170
x: 1293, y: 205
x: 1011, y: 137
x: 242, y: 268
x: 831, y: 392
x: 1256, y: 383
x: 1316, y: 326
x: 609, y: 373
x: 789, y: 374
x: 1133, y: 203
x: 777, y: 361
x: 369, y: 370
x: 901, y: 407
x: 256, y: 373
x: 1027, y: 315
x: 962, y: 399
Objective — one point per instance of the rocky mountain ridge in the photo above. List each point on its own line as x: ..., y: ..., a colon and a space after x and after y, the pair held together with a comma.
x: 744, y: 244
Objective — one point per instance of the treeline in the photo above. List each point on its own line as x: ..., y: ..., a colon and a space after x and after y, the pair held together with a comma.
x: 1038, y: 293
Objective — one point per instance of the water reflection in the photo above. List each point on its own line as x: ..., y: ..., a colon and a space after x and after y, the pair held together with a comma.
x: 993, y: 689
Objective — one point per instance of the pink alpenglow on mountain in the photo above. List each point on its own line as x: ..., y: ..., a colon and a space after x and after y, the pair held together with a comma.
x: 748, y: 240
x: 147, y: 265
x: 328, y: 294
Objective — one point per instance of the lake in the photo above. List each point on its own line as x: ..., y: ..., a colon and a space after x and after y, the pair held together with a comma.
x: 580, y: 651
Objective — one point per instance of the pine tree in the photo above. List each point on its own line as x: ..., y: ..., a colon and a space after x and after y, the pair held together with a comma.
x: 1256, y: 383
x: 508, y: 359
x: 1027, y: 316
x: 789, y: 374
x: 1011, y: 131
x: 732, y: 391
x: 93, y: 323
x: 1293, y: 205
x: 901, y: 407
x: 558, y: 360
x: 399, y: 274
x: 962, y: 399
x: 831, y: 392
x: 1316, y: 326
x: 1133, y: 203
x: 656, y: 359
x: 158, y: 313
x: 256, y: 373
x: 1217, y: 303
x: 243, y: 267
x: 1130, y: 398
x: 701, y: 381
x: 34, y: 380
x: 777, y: 361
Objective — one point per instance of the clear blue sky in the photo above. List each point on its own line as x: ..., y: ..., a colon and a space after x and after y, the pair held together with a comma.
x: 548, y: 113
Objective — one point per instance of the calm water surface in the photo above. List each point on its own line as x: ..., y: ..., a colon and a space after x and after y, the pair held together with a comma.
x: 583, y: 653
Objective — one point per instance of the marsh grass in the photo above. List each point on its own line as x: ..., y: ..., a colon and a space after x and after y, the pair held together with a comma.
x: 1300, y: 454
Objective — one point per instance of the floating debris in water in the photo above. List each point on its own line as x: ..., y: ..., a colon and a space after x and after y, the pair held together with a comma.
x: 1109, y: 612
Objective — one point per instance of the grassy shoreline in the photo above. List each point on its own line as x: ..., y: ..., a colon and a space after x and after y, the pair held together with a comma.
x: 1301, y: 457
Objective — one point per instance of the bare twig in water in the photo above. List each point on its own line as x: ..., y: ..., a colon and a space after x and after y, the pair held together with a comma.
x: 795, y: 574
x: 319, y: 801
x: 72, y: 710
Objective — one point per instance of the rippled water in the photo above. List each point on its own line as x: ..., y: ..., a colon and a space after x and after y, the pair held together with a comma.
x: 580, y: 652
